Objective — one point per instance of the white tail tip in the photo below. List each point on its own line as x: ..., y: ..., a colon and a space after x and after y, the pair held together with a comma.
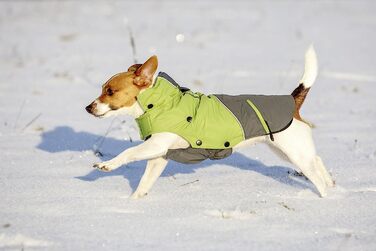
x: 310, y: 68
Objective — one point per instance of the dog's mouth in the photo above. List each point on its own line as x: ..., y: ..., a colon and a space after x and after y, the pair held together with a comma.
x: 103, y: 115
x: 95, y: 114
x: 100, y: 115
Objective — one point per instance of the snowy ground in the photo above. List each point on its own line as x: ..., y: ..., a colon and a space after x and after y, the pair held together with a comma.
x: 54, y: 56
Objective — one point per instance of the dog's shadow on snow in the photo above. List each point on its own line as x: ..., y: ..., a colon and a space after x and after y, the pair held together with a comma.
x: 64, y: 138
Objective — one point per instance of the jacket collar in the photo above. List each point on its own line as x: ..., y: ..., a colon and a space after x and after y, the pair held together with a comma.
x: 163, y: 90
x: 163, y: 95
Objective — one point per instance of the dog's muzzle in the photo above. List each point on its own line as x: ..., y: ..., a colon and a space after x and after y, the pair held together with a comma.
x: 91, y: 107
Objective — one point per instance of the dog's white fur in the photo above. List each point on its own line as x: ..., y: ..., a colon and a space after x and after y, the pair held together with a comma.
x: 310, y: 68
x: 294, y: 144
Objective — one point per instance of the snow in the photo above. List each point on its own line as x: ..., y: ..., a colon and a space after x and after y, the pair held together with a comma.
x: 55, y: 55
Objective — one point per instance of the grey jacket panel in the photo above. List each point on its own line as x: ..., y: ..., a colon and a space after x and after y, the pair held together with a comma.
x: 195, y: 155
x: 277, y: 111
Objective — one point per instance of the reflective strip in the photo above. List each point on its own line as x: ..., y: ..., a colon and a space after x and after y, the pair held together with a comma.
x: 258, y: 113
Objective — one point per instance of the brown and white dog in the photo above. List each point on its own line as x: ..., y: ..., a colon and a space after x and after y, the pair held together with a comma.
x: 119, y: 96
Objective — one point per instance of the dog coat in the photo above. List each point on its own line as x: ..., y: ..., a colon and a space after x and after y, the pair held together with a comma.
x: 212, y: 124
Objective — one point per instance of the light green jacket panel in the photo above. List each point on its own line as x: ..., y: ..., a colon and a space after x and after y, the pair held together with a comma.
x: 201, y: 120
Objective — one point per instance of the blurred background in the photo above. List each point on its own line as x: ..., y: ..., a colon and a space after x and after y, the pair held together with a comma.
x: 67, y: 49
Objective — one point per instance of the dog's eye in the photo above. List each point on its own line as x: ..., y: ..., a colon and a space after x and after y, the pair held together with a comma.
x: 109, y: 92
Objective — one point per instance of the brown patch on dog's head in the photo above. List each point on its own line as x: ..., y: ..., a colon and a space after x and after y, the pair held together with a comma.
x: 121, y: 90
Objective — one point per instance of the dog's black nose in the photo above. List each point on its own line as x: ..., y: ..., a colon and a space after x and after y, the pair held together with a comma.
x: 91, y: 108
x: 88, y: 108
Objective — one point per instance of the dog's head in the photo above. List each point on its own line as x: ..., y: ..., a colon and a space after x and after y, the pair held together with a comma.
x: 119, y: 93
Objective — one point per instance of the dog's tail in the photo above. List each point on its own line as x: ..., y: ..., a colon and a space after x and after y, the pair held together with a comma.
x: 309, y: 77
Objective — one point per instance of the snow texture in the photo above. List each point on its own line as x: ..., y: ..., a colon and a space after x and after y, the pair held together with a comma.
x: 54, y: 57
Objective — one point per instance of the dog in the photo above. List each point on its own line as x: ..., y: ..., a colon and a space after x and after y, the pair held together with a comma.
x: 174, y: 138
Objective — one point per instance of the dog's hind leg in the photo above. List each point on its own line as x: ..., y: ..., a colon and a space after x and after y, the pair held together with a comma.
x: 320, y: 166
x: 297, y: 144
x: 154, y: 169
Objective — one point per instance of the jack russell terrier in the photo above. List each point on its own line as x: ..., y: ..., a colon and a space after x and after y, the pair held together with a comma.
x: 184, y: 126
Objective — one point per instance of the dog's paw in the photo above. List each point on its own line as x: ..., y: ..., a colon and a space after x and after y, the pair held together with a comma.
x: 106, y: 166
x: 137, y: 195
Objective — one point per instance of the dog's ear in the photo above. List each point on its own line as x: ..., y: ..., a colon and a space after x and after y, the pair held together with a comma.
x: 134, y: 67
x: 144, y: 73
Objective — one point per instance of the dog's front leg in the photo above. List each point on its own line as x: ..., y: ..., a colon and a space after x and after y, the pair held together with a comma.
x: 156, y: 146
x: 154, y: 169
